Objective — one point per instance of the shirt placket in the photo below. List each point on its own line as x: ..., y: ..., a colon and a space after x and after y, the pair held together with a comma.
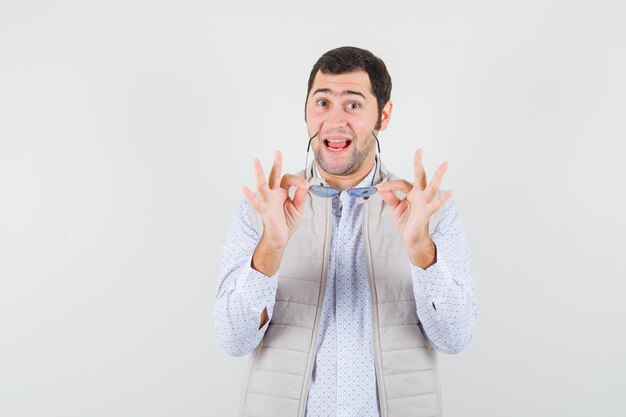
x: 344, y: 304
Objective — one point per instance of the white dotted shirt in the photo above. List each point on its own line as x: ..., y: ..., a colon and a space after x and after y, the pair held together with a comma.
x: 343, y: 382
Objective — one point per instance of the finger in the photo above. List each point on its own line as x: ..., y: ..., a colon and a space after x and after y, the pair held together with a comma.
x: 418, y: 168
x: 274, y: 178
x: 402, y: 206
x: 441, y: 200
x: 259, y: 175
x: 390, y: 198
x: 290, y: 180
x: 396, y: 185
x: 435, y: 183
x: 299, y: 198
x: 249, y: 195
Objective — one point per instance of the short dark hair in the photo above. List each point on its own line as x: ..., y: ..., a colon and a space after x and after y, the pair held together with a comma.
x: 348, y: 59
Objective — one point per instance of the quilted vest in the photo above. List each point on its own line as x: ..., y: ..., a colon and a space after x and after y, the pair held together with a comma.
x: 276, y: 383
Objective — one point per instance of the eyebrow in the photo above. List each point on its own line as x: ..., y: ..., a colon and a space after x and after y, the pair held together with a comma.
x: 344, y: 92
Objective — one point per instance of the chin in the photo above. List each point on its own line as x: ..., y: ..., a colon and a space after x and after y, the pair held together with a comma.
x: 338, y: 169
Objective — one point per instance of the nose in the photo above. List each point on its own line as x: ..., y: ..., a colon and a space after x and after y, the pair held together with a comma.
x: 335, y: 117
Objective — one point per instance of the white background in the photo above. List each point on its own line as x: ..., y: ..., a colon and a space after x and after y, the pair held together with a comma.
x: 128, y: 128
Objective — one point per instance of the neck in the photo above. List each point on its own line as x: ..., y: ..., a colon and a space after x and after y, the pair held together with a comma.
x: 343, y: 182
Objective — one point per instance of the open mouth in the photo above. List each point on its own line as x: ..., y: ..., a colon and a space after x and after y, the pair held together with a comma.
x: 337, y: 145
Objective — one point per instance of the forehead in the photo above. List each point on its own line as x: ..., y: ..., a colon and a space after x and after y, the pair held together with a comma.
x: 354, y: 81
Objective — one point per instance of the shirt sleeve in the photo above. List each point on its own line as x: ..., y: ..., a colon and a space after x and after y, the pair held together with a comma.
x: 242, y: 292
x: 444, y: 292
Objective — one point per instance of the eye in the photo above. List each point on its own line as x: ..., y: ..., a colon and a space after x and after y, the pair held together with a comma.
x: 321, y: 102
x: 354, y: 105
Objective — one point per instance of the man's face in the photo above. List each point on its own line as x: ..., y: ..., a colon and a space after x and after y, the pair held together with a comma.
x: 343, y: 109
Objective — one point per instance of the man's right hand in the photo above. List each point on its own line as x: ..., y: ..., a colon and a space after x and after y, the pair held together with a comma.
x: 280, y: 213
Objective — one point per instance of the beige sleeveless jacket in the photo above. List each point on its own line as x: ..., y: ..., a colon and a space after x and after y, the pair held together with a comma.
x: 277, y: 379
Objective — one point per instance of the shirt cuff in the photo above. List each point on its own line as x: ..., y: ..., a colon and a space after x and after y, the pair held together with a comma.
x: 430, y: 285
x: 260, y: 287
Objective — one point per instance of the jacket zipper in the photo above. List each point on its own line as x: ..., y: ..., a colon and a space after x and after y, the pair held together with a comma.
x: 318, y: 314
x: 374, y: 311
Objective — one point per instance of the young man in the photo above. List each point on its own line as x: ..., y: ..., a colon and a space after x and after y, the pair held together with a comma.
x: 345, y: 288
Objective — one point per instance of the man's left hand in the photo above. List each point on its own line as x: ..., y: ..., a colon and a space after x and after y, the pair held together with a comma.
x: 411, y: 214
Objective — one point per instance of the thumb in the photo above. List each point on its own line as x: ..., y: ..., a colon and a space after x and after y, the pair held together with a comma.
x: 299, y: 198
x: 390, y: 197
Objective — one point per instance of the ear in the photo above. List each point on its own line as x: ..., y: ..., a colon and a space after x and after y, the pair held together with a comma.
x: 385, y: 115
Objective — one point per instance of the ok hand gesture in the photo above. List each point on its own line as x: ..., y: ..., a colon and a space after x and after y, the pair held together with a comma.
x: 281, y: 214
x: 411, y: 213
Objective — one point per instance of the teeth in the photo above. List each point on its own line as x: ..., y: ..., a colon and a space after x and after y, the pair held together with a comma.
x: 330, y: 142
